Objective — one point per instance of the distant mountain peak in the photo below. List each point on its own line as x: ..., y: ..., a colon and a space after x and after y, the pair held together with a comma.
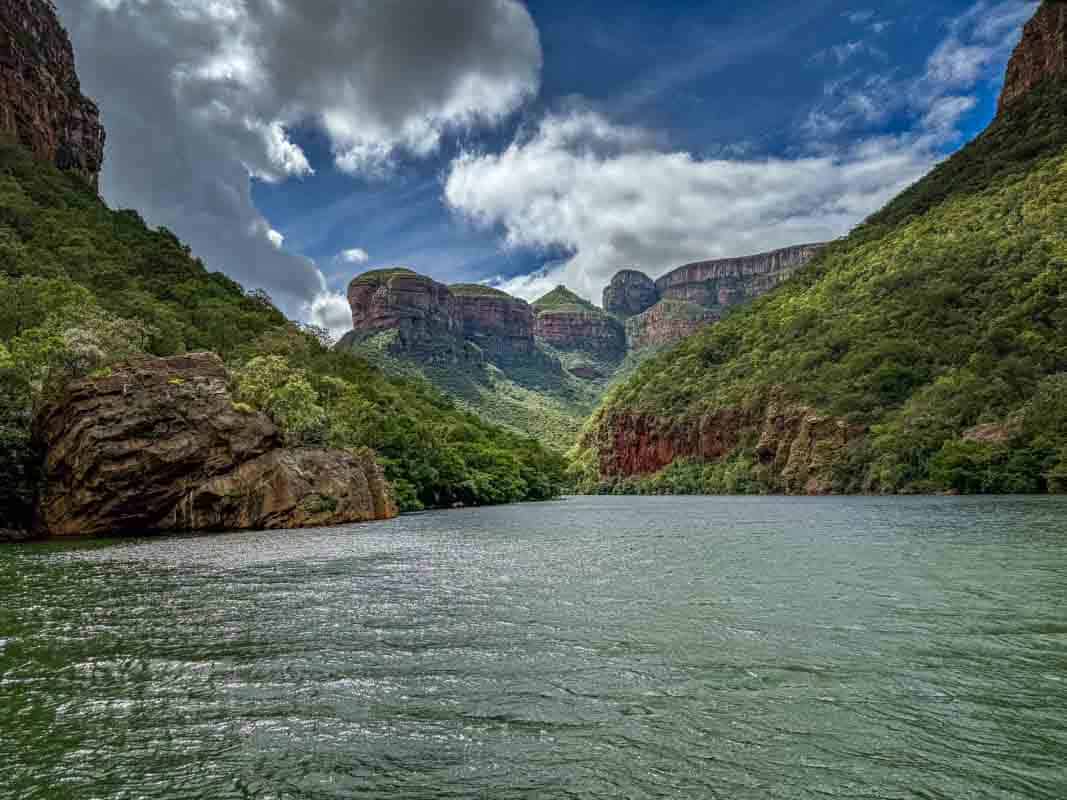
x: 1041, y: 55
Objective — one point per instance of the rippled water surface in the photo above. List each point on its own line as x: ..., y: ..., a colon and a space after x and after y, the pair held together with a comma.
x: 591, y: 648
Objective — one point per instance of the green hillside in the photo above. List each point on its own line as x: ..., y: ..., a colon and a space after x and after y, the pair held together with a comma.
x: 943, y: 312
x: 562, y: 300
x: 82, y: 285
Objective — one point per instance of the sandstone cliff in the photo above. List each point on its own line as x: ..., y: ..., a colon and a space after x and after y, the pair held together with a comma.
x: 567, y: 322
x: 667, y: 322
x: 498, y: 323
x: 630, y: 293
x: 796, y: 447
x: 158, y: 444
x: 1042, y: 53
x: 41, y: 104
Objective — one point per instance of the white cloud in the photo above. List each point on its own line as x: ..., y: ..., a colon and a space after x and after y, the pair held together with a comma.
x: 275, y: 238
x: 356, y: 255
x: 661, y: 209
x: 330, y: 310
x: 534, y: 286
x: 200, y: 96
x: 605, y: 194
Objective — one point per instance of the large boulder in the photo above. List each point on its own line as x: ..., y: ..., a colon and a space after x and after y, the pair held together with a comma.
x: 126, y: 449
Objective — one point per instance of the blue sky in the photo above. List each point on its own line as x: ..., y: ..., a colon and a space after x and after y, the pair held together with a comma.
x: 526, y: 146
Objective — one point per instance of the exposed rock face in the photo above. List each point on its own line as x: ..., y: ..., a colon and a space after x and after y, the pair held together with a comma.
x: 630, y: 293
x: 726, y: 282
x: 797, y: 447
x: 582, y: 330
x: 1041, y: 54
x: 417, y: 307
x: 497, y: 322
x: 667, y: 322
x: 41, y: 104
x: 125, y: 451
x: 300, y: 488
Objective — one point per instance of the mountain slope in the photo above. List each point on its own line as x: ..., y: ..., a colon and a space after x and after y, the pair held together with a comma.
x: 924, y: 352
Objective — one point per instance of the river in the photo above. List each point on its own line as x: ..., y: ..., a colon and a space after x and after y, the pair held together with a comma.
x: 588, y: 648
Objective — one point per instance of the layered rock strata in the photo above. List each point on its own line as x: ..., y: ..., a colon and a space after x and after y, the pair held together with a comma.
x: 1042, y: 53
x: 797, y: 447
x: 158, y: 444
x: 41, y: 104
x: 667, y: 322
x: 497, y: 322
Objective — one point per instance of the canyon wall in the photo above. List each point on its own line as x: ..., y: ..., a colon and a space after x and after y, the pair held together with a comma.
x: 41, y: 104
x: 1042, y: 53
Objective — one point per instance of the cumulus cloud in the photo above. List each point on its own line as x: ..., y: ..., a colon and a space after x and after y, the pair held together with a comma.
x: 608, y: 196
x: 330, y: 310
x: 201, y: 96
x: 356, y: 255
x: 661, y: 209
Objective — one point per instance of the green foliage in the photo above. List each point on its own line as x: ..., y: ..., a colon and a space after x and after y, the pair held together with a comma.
x: 943, y: 312
x: 82, y: 286
x: 562, y: 300
x: 740, y: 474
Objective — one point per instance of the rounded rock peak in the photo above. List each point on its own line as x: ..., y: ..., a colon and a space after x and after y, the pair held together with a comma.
x: 630, y: 292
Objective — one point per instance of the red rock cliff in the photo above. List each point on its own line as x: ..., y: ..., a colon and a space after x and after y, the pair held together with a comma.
x: 494, y: 320
x: 1041, y: 54
x: 418, y: 308
x: 726, y: 282
x: 667, y: 322
x: 41, y: 104
x: 630, y: 293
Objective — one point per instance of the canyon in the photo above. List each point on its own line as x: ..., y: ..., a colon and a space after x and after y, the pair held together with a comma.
x: 41, y: 104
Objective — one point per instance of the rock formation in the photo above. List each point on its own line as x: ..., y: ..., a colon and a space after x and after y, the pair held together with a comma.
x: 630, y: 293
x: 726, y: 282
x: 667, y: 322
x: 418, y: 308
x: 797, y: 447
x: 567, y: 322
x: 1041, y: 54
x: 498, y: 323
x: 41, y: 104
x: 661, y: 312
x: 158, y: 444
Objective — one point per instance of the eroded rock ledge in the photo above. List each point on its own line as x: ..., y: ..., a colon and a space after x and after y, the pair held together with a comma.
x: 159, y: 445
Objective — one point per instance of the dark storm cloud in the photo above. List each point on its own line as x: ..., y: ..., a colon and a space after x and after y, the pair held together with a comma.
x: 198, y: 96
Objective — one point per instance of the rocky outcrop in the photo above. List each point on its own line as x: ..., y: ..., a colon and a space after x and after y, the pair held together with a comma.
x: 1042, y: 53
x: 418, y: 308
x: 797, y: 447
x: 126, y: 452
x: 662, y: 312
x: 41, y: 104
x: 667, y: 322
x: 630, y: 293
x: 726, y: 282
x: 498, y: 323
x: 300, y: 488
x: 566, y: 321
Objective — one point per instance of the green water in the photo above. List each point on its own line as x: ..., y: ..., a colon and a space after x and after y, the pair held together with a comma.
x: 592, y: 648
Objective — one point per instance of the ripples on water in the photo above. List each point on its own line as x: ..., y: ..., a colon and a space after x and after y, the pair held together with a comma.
x: 593, y: 648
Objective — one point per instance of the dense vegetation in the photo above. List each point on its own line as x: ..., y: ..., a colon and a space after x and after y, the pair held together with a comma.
x: 562, y: 300
x: 943, y: 312
x: 81, y: 285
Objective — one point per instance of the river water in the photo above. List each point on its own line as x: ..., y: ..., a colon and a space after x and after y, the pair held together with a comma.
x: 589, y: 648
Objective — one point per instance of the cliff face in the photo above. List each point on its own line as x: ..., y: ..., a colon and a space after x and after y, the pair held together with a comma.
x: 419, y: 309
x: 630, y: 293
x: 41, y: 104
x: 497, y: 322
x: 1042, y: 53
x: 666, y: 322
x: 580, y: 330
x: 667, y: 310
x: 158, y: 445
x: 726, y: 282
x: 797, y: 448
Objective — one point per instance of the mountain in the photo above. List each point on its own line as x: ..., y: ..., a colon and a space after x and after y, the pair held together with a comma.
x: 542, y: 368
x: 89, y: 295
x: 925, y: 352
